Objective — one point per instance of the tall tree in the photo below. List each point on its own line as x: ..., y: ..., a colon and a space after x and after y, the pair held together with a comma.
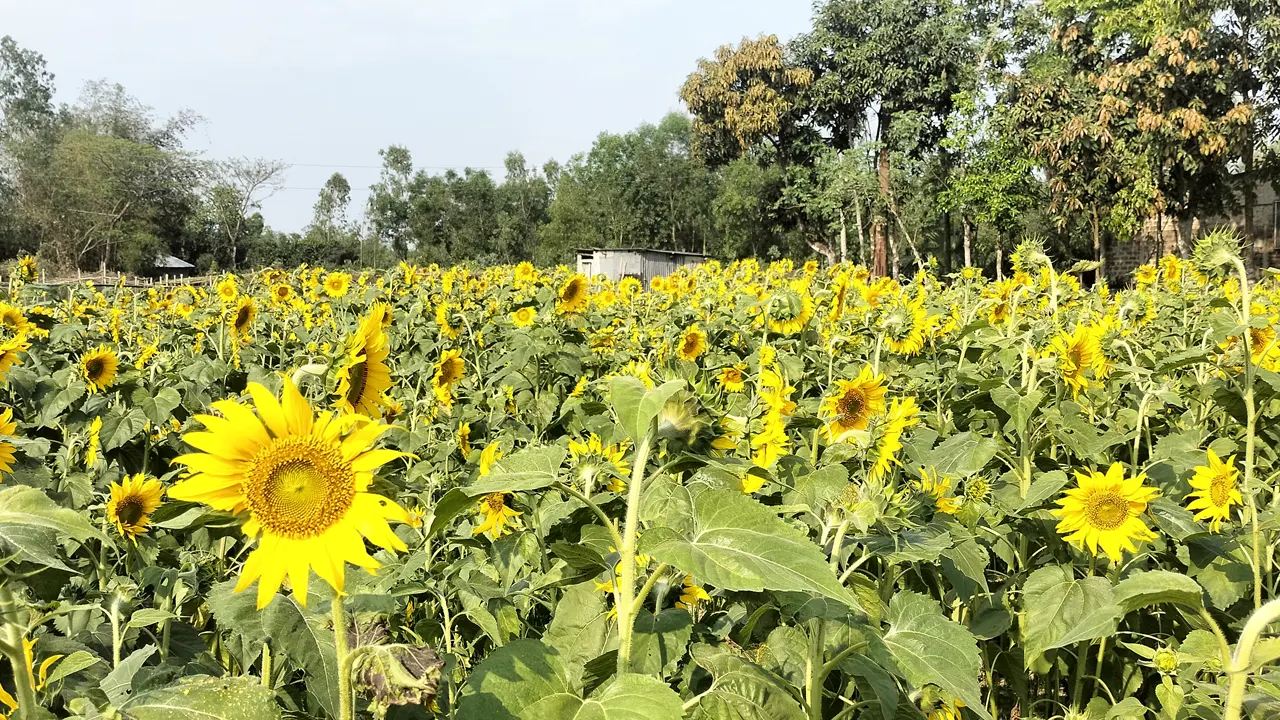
x: 235, y: 194
x: 899, y: 62
x: 389, y: 204
x: 747, y: 97
x: 329, y: 214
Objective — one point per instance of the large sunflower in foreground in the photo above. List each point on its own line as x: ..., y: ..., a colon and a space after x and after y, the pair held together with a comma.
x: 8, y: 428
x: 99, y: 366
x: 1104, y: 512
x: 9, y: 350
x: 131, y: 504
x: 364, y: 376
x: 854, y: 404
x: 575, y: 295
x: 1215, y: 491
x: 303, y: 481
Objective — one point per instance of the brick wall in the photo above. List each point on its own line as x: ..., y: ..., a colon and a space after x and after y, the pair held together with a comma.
x: 1159, y: 237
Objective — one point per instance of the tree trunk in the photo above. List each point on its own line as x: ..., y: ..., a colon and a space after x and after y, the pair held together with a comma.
x: 910, y: 243
x: 945, y: 158
x: 1097, y: 235
x: 880, y: 227
x: 862, y: 241
x: 968, y: 240
x: 844, y: 238
x: 893, y: 252
x: 999, y: 255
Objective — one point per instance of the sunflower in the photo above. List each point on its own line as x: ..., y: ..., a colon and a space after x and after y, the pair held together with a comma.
x: 593, y: 456
x: 99, y: 367
x: 1144, y: 275
x: 524, y: 317
x: 9, y: 350
x: 364, y: 377
x: 946, y: 711
x: 1078, y: 352
x: 791, y: 308
x: 1103, y: 511
x: 1215, y: 491
x: 464, y: 440
x: 691, y: 594
x: 132, y: 503
x: 525, y: 272
x: 12, y: 319
x: 575, y: 295
x: 449, y: 370
x: 902, y: 415
x: 904, y: 323
x: 27, y: 268
x: 497, y: 516
x: 246, y: 311
x: 95, y: 438
x: 281, y: 293
x: 693, y: 344
x: 443, y: 310
x: 732, y: 378
x: 304, y: 482
x: 227, y: 290
x: 8, y: 428
x: 771, y: 443
x: 336, y: 284
x: 854, y: 404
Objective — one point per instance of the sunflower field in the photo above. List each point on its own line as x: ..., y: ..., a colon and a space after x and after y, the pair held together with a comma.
x: 745, y: 491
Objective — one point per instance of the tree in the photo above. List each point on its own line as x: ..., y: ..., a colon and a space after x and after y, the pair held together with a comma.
x: 524, y: 197
x: 745, y: 97
x: 389, y: 205
x: 835, y: 194
x: 236, y: 192
x: 899, y: 61
x: 745, y: 211
x: 640, y: 189
x: 1132, y: 110
x: 26, y: 91
x: 329, y: 215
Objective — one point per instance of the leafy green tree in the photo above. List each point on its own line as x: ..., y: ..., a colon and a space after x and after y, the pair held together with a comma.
x: 389, y: 203
x: 524, y: 199
x: 746, y: 97
x: 745, y: 211
x: 641, y: 189
x: 1133, y: 111
x: 899, y: 62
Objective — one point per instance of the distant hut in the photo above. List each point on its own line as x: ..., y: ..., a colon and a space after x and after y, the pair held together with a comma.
x: 168, y: 266
x: 639, y: 263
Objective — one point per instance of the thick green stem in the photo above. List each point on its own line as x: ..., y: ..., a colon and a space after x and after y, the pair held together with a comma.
x: 1251, y: 425
x: 10, y: 617
x: 627, y: 574
x: 599, y: 512
x: 345, y: 711
x: 1239, y: 669
x: 814, y: 677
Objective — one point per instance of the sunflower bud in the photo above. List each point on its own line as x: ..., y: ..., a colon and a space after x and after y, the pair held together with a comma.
x: 1216, y: 250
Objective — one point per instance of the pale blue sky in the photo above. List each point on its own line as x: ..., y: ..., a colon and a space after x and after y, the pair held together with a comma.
x: 330, y: 82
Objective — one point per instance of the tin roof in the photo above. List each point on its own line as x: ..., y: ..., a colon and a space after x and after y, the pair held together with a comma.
x: 642, y: 250
x: 170, y: 261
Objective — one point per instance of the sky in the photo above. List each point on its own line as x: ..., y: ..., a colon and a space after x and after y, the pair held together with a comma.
x: 324, y: 85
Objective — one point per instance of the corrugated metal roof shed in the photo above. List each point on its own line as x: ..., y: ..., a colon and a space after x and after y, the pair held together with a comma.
x: 171, y: 261
x: 644, y: 264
